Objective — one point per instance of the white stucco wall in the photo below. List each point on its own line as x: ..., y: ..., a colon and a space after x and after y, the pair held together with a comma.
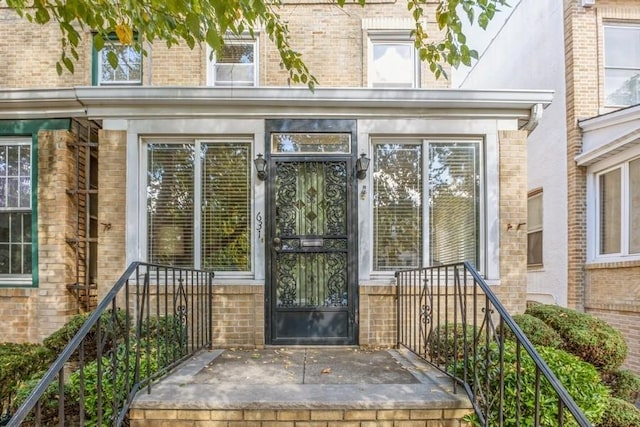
x: 528, y: 53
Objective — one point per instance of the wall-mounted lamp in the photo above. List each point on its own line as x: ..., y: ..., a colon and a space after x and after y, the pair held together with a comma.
x: 362, y: 164
x: 261, y: 167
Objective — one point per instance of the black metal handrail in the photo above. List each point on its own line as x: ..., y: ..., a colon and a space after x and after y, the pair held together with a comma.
x: 449, y: 316
x: 152, y: 319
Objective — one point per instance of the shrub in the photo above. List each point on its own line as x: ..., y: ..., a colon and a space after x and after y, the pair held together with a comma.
x: 585, y: 336
x: 17, y: 363
x: 620, y: 414
x: 111, y: 325
x: 538, y: 332
x: 448, y: 342
x: 580, y: 379
x: 623, y: 384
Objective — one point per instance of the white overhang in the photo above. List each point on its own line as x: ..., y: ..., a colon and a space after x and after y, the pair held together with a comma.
x: 608, y: 134
x: 179, y: 102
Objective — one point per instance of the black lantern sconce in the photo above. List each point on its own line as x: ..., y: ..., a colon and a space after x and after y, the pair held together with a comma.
x: 362, y: 164
x: 261, y: 167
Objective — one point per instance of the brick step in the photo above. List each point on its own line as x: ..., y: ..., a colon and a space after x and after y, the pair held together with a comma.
x: 298, y: 418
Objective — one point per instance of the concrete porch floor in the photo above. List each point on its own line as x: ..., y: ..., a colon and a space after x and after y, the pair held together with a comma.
x: 309, y: 378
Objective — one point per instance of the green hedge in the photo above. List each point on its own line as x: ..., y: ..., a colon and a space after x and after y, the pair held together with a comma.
x: 17, y: 362
x: 580, y: 379
x: 585, y: 336
x: 538, y: 332
x: 620, y: 414
x: 623, y: 384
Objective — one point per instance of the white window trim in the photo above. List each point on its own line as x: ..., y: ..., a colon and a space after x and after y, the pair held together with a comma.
x: 19, y: 279
x: 244, y: 39
x: 593, y: 207
x: 101, y: 82
x: 424, y: 143
x: 142, y: 211
x: 391, y: 37
x: 604, y: 63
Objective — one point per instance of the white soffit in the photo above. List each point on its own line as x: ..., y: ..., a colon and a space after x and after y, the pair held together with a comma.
x: 181, y: 102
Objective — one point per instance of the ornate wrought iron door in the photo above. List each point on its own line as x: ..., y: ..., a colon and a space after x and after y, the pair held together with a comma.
x: 312, y: 251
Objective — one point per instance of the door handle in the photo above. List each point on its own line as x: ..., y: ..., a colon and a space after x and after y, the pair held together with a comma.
x: 276, y: 243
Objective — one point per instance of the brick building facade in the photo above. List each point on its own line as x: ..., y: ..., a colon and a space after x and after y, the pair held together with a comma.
x: 91, y: 147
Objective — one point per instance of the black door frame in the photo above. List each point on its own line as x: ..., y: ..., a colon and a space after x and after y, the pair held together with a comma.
x: 313, y: 126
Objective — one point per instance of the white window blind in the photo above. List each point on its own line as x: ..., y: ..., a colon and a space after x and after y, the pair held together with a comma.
x: 397, y: 209
x: 448, y: 204
x: 226, y: 206
x: 170, y: 191
x: 199, y: 204
x: 453, y: 202
x: 610, y: 211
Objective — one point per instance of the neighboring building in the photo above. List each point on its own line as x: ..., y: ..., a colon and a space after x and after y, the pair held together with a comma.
x: 582, y: 158
x: 154, y: 161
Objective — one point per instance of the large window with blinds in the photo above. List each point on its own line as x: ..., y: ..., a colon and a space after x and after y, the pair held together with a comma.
x: 199, y: 204
x: 426, y: 203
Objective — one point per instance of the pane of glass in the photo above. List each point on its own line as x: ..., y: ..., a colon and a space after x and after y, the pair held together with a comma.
x: 25, y: 192
x: 634, y: 206
x: 534, y: 212
x: 25, y: 161
x: 26, y: 259
x: 170, y: 204
x: 454, y: 179
x: 4, y: 259
x: 237, y: 74
x: 393, y: 64
x: 234, y: 53
x: 13, y: 192
x: 15, y: 224
x: 3, y: 161
x: 534, y: 248
x: 3, y: 192
x: 622, y: 47
x: 397, y: 206
x: 16, y: 259
x: 311, y: 142
x: 13, y: 160
x: 226, y: 206
x: 622, y: 87
x: 26, y: 225
x: 610, y: 210
x: 4, y: 227
x: 129, y: 64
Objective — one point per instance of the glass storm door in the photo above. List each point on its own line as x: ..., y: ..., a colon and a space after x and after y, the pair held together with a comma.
x: 312, y: 251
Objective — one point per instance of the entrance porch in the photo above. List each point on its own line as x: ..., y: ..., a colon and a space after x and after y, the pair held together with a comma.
x: 298, y: 386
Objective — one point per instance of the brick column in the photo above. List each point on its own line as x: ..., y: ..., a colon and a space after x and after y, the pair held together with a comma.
x: 112, y: 202
x: 513, y: 218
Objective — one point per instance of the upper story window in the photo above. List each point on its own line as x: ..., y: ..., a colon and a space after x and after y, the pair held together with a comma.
x: 236, y: 64
x: 534, y: 228
x: 622, y: 65
x: 15, y: 209
x: 128, y: 71
x: 618, y: 210
x: 393, y: 61
x: 199, y: 203
x: 426, y: 203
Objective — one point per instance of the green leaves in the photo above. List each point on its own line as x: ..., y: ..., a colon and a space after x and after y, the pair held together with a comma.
x: 196, y: 22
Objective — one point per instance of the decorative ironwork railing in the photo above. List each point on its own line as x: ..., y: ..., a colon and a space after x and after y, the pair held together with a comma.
x: 152, y: 319
x: 448, y: 316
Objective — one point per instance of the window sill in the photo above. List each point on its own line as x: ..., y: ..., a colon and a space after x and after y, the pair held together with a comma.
x: 611, y: 264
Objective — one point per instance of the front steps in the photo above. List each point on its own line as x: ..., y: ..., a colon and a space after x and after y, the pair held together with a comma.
x: 302, y: 387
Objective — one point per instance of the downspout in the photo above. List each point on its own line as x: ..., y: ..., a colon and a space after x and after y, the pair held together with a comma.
x: 534, y: 118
